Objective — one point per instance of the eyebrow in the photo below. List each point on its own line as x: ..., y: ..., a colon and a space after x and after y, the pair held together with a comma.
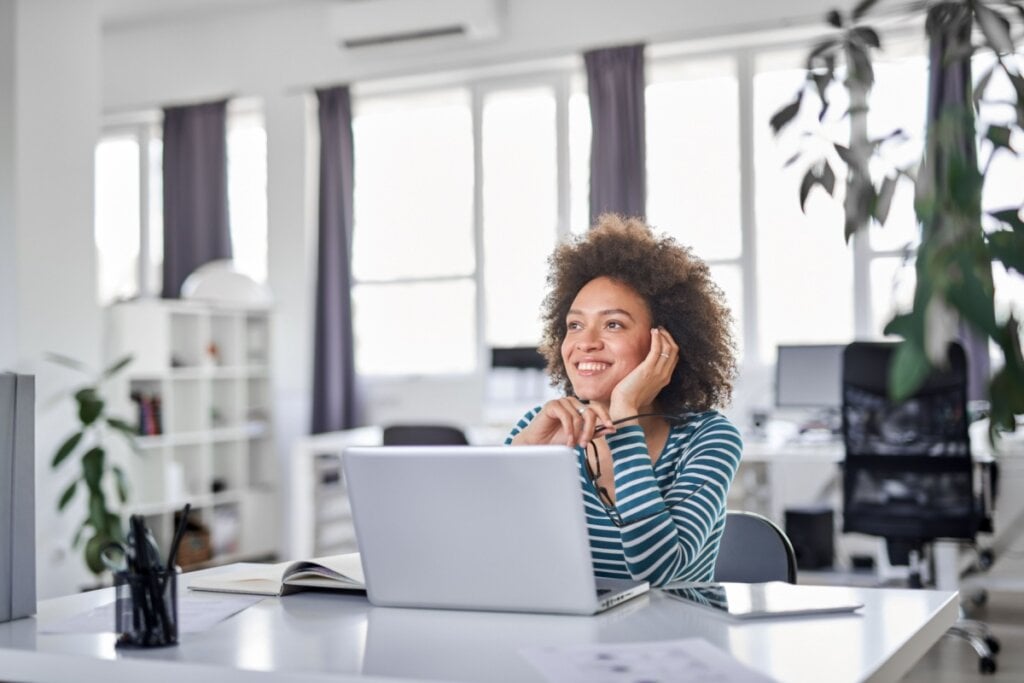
x: 606, y: 312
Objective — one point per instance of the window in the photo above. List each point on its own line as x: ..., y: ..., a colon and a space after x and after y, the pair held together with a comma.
x: 128, y: 212
x: 693, y: 180
x: 129, y: 203
x: 486, y: 176
x: 413, y: 259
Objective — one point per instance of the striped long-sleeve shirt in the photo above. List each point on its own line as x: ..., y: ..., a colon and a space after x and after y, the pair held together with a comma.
x: 672, y: 510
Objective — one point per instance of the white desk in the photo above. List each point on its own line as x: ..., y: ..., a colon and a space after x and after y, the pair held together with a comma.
x: 342, y: 638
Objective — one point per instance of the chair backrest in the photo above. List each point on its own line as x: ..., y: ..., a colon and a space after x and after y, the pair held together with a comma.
x: 908, y: 470
x: 754, y: 549
x: 423, y: 435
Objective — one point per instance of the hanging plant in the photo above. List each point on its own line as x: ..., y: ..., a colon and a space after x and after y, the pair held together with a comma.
x: 959, y: 242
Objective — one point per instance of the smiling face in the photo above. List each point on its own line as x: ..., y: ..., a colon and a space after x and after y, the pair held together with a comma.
x: 608, y: 333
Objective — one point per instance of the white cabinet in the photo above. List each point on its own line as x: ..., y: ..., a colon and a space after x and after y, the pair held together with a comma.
x: 199, y: 390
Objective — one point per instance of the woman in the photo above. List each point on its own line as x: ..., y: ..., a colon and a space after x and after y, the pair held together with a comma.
x: 637, y: 335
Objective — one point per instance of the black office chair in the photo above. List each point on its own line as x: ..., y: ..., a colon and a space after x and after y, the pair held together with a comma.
x: 908, y: 472
x: 423, y: 435
x: 754, y: 549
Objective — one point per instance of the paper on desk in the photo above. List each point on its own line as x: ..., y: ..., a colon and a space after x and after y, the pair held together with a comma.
x: 691, y: 660
x: 195, y: 615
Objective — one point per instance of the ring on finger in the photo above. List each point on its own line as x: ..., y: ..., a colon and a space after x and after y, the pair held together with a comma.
x: 664, y: 355
x: 582, y: 409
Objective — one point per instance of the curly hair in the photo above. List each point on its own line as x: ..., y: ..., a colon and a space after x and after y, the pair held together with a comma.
x: 678, y: 290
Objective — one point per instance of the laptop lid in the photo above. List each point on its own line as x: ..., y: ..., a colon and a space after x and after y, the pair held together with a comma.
x: 474, y: 527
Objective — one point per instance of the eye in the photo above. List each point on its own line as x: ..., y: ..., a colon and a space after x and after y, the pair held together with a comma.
x: 614, y: 325
x: 573, y: 325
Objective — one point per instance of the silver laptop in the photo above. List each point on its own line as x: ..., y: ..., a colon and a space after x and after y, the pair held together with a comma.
x: 476, y: 527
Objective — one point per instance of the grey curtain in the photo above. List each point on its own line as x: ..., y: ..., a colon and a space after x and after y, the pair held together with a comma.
x: 615, y: 83
x: 950, y: 89
x: 334, y: 387
x: 196, y: 228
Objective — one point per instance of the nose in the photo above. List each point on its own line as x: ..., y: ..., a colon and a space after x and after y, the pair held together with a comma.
x: 587, y: 341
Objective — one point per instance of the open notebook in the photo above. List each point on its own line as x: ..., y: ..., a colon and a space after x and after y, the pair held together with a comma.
x: 760, y: 600
x: 337, y: 572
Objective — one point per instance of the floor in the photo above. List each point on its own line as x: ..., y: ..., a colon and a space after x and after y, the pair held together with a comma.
x: 952, y: 660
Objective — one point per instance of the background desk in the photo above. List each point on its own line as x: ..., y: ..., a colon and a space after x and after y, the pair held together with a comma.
x: 342, y: 638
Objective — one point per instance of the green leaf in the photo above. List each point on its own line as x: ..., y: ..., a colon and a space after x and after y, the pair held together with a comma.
x: 66, y: 448
x: 1000, y: 137
x: 792, y: 160
x: 995, y: 27
x: 810, y: 180
x: 77, y: 538
x: 122, y: 483
x: 92, y: 467
x: 785, y: 114
x: 867, y: 35
x: 819, y: 51
x: 68, y: 494
x: 907, y: 371
x: 1008, y: 247
x: 93, y: 548
x: 67, y: 362
x: 861, y: 8
x: 845, y: 154
x: 982, y: 85
x: 90, y: 405
x: 1011, y: 217
x: 884, y: 199
x: 834, y: 18
x: 122, y: 426
x: 827, y: 178
x: 117, y: 366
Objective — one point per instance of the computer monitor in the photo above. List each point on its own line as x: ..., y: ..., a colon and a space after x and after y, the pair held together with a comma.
x: 809, y: 376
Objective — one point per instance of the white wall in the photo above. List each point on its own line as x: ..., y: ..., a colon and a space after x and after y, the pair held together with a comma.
x: 52, y: 114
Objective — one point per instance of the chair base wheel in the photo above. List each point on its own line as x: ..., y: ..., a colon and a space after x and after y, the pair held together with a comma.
x: 993, y: 644
x: 987, y: 665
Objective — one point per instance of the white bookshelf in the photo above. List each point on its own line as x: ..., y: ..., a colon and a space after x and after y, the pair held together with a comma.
x: 210, y: 441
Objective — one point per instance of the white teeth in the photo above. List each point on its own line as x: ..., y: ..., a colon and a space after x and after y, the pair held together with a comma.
x: 592, y: 367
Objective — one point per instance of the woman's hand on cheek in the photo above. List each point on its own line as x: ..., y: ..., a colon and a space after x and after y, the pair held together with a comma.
x: 565, y: 421
x: 641, y: 386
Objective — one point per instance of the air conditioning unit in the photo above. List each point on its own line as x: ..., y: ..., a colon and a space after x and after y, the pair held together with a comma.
x: 369, y: 23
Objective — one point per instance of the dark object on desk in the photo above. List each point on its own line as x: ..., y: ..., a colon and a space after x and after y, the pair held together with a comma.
x: 754, y: 550
x: 811, y: 530
x: 146, y: 601
x: 908, y: 472
x: 17, y: 497
x: 423, y: 435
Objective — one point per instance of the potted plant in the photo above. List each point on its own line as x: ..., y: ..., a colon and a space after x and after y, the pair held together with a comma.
x: 959, y: 242
x: 98, y: 474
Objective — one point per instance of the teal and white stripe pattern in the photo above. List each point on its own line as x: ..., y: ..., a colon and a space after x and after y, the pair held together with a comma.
x: 673, y: 510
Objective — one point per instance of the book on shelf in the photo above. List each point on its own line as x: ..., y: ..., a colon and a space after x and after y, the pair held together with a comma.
x: 336, y: 572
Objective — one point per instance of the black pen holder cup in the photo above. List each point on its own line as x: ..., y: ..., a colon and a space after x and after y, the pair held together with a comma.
x: 146, y: 609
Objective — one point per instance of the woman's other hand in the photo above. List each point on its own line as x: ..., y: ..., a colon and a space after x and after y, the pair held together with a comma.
x: 565, y: 421
x: 641, y: 386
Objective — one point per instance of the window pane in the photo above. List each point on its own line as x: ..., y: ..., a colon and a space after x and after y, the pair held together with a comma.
x: 898, y: 101
x: 117, y: 218
x: 247, y: 194
x: 155, y: 263
x: 1004, y: 183
x: 413, y: 186
x: 693, y: 167
x: 520, y: 210
x: 892, y: 290
x: 805, y: 274
x: 415, y: 328
x: 730, y: 279
x: 579, y: 162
